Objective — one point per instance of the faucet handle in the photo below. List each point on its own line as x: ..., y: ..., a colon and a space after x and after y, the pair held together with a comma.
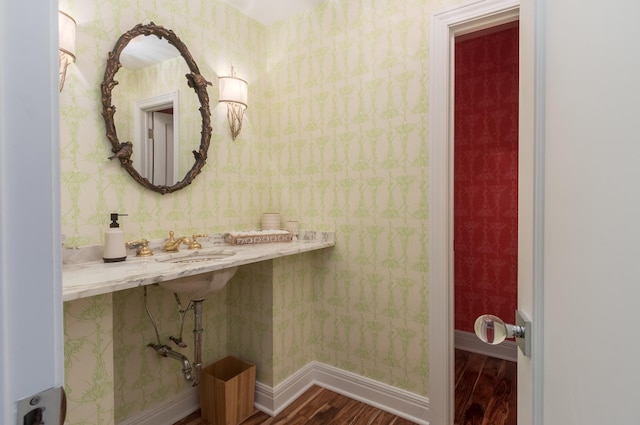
x: 143, y: 247
x: 172, y: 244
x: 194, y: 244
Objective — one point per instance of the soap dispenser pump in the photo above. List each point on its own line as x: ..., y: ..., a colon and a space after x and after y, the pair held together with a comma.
x: 115, y: 249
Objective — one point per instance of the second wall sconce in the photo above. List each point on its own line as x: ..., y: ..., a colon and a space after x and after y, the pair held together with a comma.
x: 234, y: 92
x: 66, y: 43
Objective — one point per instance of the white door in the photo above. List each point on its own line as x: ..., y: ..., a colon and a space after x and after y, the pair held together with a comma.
x: 31, y: 338
x: 157, y: 136
x: 162, y: 148
x: 591, y: 216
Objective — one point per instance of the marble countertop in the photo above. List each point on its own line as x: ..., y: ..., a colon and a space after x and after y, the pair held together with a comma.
x: 84, y: 274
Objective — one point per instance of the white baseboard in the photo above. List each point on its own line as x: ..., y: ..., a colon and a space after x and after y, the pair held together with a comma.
x: 170, y: 411
x: 385, y: 397
x: 272, y: 401
x: 468, y: 341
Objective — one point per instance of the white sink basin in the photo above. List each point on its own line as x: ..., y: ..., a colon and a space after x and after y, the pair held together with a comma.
x: 199, y: 286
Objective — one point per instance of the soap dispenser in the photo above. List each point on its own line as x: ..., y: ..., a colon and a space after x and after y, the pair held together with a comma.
x: 115, y: 249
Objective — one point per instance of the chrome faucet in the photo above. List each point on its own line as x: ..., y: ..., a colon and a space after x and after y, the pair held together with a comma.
x: 173, y: 244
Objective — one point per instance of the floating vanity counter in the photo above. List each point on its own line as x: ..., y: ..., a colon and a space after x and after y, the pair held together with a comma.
x: 84, y: 274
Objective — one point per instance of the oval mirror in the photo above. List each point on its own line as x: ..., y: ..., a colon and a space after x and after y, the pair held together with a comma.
x: 154, y: 139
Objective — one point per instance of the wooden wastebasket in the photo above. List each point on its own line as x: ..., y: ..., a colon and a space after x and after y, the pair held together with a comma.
x: 227, y: 391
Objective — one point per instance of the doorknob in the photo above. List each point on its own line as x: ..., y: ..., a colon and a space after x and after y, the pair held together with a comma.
x: 492, y: 330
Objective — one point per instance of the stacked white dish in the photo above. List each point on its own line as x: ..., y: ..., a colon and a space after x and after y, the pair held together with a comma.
x: 292, y: 227
x: 271, y: 221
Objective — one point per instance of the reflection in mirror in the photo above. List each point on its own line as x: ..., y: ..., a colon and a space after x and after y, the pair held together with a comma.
x: 157, y: 115
x: 144, y: 51
x: 151, y: 82
x: 156, y: 139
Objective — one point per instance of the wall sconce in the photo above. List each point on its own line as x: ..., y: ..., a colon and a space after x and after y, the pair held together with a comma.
x: 67, y: 43
x: 233, y: 92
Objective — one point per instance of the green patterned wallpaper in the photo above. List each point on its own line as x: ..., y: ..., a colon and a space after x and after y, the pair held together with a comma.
x: 335, y: 136
x: 88, y: 361
x: 348, y: 130
x: 250, y: 316
x: 294, y: 323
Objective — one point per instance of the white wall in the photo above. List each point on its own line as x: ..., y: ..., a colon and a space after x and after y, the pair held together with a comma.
x: 592, y: 211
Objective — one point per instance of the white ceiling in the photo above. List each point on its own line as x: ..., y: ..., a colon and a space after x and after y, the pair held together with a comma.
x: 268, y: 12
x: 144, y: 51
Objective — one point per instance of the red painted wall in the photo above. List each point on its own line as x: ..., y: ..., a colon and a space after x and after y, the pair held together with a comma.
x: 486, y: 177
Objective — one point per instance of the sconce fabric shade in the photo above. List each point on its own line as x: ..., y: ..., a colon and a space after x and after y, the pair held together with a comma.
x: 233, y: 89
x: 67, y: 34
x: 66, y: 44
x: 234, y: 92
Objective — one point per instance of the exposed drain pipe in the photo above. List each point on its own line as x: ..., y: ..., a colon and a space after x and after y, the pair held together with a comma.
x: 197, y: 340
x: 166, y: 351
x: 190, y: 375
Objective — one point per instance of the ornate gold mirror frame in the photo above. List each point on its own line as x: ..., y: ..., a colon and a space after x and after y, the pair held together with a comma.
x: 124, y: 150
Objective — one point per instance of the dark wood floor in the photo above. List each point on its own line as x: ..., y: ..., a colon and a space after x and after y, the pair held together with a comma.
x: 317, y: 406
x: 485, y: 395
x: 485, y: 390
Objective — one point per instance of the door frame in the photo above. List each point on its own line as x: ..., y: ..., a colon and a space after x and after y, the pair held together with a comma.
x: 445, y: 26
x: 141, y: 112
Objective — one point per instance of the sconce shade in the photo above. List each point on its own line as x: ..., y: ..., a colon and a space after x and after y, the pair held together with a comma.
x: 66, y: 44
x: 233, y: 89
x: 234, y: 92
x: 67, y: 34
